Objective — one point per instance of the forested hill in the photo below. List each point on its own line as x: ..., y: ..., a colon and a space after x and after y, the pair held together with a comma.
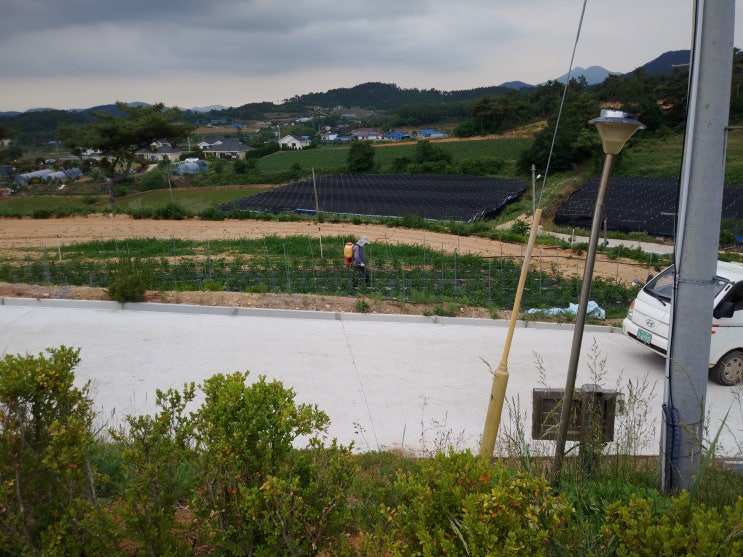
x: 662, y: 82
x: 386, y: 96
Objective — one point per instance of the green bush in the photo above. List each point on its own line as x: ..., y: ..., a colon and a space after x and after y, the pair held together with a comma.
x: 481, y: 167
x: 520, y: 227
x: 259, y: 491
x: 153, y: 180
x: 143, y: 213
x: 458, y: 504
x: 642, y: 527
x: 41, y: 214
x: 158, y: 464
x: 212, y: 213
x: 213, y: 286
x: 126, y: 284
x: 47, y: 491
x: 120, y: 190
x: 171, y: 211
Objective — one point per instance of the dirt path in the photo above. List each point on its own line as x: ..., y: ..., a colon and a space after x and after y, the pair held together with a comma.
x: 19, y: 233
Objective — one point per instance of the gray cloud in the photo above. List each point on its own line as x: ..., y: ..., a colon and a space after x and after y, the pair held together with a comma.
x: 86, y: 48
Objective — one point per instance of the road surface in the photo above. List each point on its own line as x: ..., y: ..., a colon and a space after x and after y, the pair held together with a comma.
x: 414, y: 383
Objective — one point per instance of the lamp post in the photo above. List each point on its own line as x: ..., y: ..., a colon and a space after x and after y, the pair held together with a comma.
x: 615, y: 128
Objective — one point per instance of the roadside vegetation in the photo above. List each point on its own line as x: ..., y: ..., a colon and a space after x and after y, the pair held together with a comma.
x: 237, y: 466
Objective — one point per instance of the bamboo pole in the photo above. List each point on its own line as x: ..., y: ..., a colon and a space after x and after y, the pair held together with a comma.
x: 500, y: 376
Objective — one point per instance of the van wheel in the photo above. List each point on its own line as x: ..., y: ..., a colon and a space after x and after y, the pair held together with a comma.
x: 729, y: 370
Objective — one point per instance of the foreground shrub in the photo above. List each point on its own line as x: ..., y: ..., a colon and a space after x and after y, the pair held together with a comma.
x: 461, y: 505
x: 641, y: 527
x: 47, y: 493
x: 259, y: 494
x: 160, y: 476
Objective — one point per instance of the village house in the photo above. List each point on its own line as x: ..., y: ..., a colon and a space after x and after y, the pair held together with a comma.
x: 292, y: 142
x: 366, y: 135
x: 160, y: 151
x: 395, y: 136
x: 431, y: 134
x: 225, y: 148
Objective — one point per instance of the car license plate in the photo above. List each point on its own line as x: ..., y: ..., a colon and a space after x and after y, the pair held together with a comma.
x: 644, y: 336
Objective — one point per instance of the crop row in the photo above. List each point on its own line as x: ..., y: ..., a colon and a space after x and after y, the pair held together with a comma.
x: 295, y: 265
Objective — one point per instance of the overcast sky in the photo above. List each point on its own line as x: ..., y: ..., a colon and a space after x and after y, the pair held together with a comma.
x: 82, y: 53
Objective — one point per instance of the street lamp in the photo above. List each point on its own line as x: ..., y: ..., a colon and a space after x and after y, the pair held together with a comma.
x: 615, y: 128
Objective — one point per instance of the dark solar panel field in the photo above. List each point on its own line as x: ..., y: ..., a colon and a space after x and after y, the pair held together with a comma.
x: 433, y: 197
x: 637, y: 204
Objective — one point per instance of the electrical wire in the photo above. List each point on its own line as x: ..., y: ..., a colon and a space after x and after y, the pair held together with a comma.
x: 562, y: 103
x: 361, y: 384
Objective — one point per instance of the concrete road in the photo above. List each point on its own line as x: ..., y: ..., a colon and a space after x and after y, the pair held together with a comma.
x: 417, y: 383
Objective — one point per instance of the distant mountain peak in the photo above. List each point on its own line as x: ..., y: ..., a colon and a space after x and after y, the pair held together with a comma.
x: 592, y: 74
x: 516, y: 85
x: 208, y: 108
x: 666, y: 62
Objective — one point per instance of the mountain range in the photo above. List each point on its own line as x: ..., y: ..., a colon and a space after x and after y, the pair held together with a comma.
x: 663, y: 64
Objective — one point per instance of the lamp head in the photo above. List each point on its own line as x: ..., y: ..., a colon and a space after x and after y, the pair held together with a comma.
x: 615, y: 128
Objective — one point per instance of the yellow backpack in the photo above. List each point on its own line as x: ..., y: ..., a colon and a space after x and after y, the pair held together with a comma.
x: 348, y: 253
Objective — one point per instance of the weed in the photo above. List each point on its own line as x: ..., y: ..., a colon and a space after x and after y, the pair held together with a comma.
x: 435, y: 435
x: 446, y: 310
x: 213, y: 285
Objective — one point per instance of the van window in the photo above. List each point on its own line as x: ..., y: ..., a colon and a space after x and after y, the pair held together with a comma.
x: 735, y: 296
x: 661, y: 287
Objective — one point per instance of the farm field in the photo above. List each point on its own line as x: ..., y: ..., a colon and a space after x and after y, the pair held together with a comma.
x: 332, y: 158
x: 19, y: 235
x: 435, y: 197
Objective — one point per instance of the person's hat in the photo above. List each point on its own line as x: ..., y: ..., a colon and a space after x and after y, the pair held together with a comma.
x: 363, y: 241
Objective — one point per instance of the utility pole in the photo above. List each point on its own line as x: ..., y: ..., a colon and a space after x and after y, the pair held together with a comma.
x: 700, y: 205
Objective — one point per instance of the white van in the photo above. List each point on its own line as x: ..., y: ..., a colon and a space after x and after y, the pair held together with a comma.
x: 648, y: 317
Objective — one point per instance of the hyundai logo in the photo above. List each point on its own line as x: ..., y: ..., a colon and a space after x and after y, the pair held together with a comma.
x: 650, y: 323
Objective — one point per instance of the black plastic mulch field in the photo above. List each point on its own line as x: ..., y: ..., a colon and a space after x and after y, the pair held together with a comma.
x: 637, y: 204
x: 433, y: 197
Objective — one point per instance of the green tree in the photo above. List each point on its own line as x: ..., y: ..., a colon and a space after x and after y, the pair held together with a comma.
x: 12, y: 152
x: 425, y: 151
x: 569, y: 147
x: 361, y: 158
x: 6, y: 132
x: 430, y: 159
x: 243, y: 166
x: 120, y: 137
x: 9, y: 154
